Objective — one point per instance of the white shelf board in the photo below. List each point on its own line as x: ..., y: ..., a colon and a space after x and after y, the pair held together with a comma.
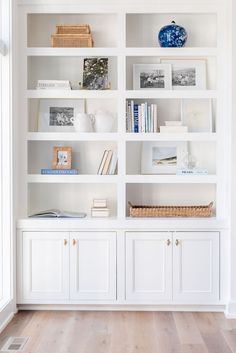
x: 189, y: 136
x: 170, y: 224
x: 38, y: 178
x: 171, y: 52
x: 172, y: 179
x: 71, y: 136
x: 48, y: 51
x: 71, y: 94
x: 171, y: 94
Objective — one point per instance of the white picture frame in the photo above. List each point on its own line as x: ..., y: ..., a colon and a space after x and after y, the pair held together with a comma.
x: 196, y: 114
x: 162, y: 157
x: 56, y: 115
x: 187, y: 74
x: 152, y: 77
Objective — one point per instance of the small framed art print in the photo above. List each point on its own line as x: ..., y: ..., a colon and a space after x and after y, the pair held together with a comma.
x: 162, y: 157
x: 62, y: 158
x: 152, y: 76
x: 196, y: 114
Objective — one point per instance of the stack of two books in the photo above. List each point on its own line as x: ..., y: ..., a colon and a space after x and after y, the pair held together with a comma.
x: 100, y: 208
x: 173, y: 126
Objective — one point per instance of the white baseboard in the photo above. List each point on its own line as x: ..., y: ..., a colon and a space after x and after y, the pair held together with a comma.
x: 7, y: 314
x: 230, y: 311
x: 6, y: 322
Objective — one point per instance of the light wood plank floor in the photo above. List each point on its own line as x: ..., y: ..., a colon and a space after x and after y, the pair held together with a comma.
x: 123, y: 332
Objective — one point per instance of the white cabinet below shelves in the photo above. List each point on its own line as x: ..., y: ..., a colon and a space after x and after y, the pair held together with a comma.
x: 93, y: 266
x: 45, y: 266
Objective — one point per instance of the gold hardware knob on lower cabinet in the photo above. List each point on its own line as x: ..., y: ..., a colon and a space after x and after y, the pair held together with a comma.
x: 74, y: 242
x: 177, y: 242
x: 168, y: 242
x: 65, y: 242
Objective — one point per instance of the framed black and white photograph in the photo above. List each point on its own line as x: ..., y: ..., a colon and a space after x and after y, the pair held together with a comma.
x: 162, y: 157
x: 95, y: 73
x: 188, y: 74
x: 152, y: 76
x: 57, y: 115
x: 196, y: 114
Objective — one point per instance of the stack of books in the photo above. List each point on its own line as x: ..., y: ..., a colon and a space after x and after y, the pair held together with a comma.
x: 108, y: 165
x: 173, y: 126
x: 59, y: 171
x: 141, y: 117
x: 53, y: 84
x: 100, y: 208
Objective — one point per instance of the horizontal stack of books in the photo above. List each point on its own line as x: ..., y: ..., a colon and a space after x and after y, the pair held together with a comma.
x: 141, y: 117
x: 100, y: 208
x: 173, y: 126
x: 108, y: 165
x: 59, y: 171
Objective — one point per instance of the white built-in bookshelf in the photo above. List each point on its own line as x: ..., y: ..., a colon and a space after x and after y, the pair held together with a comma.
x: 125, y: 38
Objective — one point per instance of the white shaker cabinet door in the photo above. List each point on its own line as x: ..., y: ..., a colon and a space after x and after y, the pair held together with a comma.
x: 196, y: 267
x: 148, y: 266
x: 93, y: 266
x: 45, y: 266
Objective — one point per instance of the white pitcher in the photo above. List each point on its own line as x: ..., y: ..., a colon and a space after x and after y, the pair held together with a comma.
x: 83, y: 122
x: 103, y: 121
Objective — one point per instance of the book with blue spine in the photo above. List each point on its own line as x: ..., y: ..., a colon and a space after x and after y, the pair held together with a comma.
x: 59, y: 171
x: 135, y: 117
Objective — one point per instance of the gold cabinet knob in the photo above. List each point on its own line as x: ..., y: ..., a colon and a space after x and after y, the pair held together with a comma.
x: 74, y: 242
x: 168, y: 242
x: 177, y: 242
x: 65, y: 242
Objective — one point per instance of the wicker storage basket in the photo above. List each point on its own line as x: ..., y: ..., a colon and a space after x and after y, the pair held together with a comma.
x: 73, y: 29
x: 170, y: 211
x: 72, y: 40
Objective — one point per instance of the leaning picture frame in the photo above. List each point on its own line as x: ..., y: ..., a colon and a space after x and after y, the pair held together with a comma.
x: 197, y: 114
x: 162, y: 157
x: 57, y: 115
x: 62, y: 157
x: 187, y: 74
x: 152, y: 76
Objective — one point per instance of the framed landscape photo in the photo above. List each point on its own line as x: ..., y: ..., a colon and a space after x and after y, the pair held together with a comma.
x: 152, y: 76
x: 95, y: 74
x: 196, y: 114
x: 62, y: 158
x: 57, y: 115
x: 162, y: 157
x: 188, y: 74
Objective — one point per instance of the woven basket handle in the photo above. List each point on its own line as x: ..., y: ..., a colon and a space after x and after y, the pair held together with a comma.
x: 210, y: 204
x: 130, y: 204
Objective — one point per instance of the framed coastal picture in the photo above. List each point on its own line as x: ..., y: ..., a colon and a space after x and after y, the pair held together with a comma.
x: 188, y: 74
x: 95, y: 74
x: 62, y: 158
x: 152, y: 76
x: 162, y: 157
x: 196, y: 114
x: 57, y: 115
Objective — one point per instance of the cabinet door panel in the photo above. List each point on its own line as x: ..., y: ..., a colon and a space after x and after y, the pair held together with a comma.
x: 196, y: 267
x: 148, y: 266
x: 93, y: 266
x: 45, y: 270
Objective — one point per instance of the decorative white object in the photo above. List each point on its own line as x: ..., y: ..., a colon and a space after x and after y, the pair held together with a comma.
x: 57, y: 115
x: 173, y: 123
x: 152, y: 76
x: 162, y: 157
x: 197, y: 114
x: 174, y: 128
x: 187, y: 74
x: 83, y: 122
x: 103, y: 121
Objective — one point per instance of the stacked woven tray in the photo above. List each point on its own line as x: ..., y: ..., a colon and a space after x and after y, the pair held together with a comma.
x: 72, y: 36
x: 171, y: 211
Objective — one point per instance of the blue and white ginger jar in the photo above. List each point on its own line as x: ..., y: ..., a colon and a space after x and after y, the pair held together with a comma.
x: 172, y: 36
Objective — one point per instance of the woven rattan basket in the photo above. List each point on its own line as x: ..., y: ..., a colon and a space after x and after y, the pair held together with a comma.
x: 170, y: 211
x: 72, y: 40
x: 73, y: 29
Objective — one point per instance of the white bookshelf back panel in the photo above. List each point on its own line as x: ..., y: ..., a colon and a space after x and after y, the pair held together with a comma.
x: 86, y: 156
x: 70, y: 197
x: 142, y: 29
x: 211, y: 68
x: 64, y: 68
x: 91, y: 107
x: 170, y: 194
x: 42, y: 26
x: 204, y: 153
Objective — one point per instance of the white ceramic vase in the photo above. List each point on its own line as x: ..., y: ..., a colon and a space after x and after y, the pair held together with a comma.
x: 103, y: 121
x: 83, y: 122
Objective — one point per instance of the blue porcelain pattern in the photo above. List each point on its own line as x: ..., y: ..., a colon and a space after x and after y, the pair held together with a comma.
x: 172, y: 36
